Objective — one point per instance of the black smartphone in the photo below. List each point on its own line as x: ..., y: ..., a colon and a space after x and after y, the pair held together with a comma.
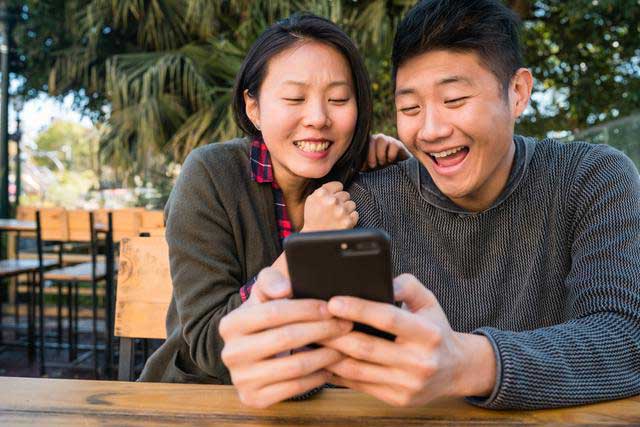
x: 343, y: 262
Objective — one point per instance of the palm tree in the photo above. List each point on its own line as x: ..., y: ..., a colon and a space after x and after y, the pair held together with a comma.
x: 169, y: 87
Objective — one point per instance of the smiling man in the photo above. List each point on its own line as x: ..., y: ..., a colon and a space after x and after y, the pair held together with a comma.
x: 525, y: 254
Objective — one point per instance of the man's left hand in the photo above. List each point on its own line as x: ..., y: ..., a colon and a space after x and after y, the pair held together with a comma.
x: 427, y: 360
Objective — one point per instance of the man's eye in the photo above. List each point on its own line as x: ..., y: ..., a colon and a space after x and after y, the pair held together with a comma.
x: 455, y: 100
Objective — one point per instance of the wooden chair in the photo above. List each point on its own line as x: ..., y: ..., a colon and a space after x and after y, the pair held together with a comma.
x: 89, y: 272
x: 143, y: 296
x: 152, y: 219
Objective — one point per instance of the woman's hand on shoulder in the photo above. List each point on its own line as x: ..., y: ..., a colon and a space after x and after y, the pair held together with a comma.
x: 329, y: 208
x: 384, y: 151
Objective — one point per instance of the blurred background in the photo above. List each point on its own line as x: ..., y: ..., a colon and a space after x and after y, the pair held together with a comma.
x: 108, y: 97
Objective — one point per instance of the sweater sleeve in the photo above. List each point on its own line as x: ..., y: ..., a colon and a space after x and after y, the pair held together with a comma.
x: 205, y: 266
x: 595, y: 355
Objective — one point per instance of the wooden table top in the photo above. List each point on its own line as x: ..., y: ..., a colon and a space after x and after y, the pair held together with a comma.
x: 17, y: 225
x: 53, y: 402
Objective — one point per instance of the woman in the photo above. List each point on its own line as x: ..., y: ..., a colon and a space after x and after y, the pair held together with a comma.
x: 303, y: 97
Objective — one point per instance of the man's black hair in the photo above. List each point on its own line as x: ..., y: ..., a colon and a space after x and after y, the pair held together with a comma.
x: 486, y: 27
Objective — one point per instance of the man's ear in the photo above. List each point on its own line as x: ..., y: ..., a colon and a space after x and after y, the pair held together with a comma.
x: 520, y: 91
x: 252, y: 108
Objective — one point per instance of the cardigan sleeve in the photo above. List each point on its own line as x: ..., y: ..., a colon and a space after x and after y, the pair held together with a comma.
x: 205, y: 266
x: 595, y: 355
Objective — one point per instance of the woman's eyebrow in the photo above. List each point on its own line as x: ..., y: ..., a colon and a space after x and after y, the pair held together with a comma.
x: 300, y: 83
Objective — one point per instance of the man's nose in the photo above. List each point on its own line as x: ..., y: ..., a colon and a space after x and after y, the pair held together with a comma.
x: 435, y: 127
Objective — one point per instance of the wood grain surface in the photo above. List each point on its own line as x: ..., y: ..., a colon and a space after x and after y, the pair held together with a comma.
x: 52, y: 402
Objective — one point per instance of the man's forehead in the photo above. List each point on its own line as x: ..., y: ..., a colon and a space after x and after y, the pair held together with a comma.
x: 438, y: 69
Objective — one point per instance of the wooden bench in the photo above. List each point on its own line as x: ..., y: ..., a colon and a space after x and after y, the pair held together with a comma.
x: 143, y: 296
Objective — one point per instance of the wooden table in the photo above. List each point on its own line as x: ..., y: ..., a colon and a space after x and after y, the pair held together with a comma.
x: 49, y: 402
x: 17, y: 225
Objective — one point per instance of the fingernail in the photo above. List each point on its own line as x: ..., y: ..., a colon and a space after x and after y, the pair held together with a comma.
x: 279, y: 286
x: 336, y: 305
x: 324, y: 311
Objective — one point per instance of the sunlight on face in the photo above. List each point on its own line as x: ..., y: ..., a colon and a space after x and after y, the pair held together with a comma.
x: 306, y: 110
x: 453, y: 117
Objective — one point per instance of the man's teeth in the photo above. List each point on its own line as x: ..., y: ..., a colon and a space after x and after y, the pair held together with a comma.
x: 447, y: 152
x: 312, y: 147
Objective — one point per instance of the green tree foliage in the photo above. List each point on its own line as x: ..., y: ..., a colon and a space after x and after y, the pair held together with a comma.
x: 70, y: 143
x: 160, y: 72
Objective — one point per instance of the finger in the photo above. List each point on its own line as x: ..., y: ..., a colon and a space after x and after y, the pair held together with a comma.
x: 350, y: 206
x: 392, y: 153
x: 250, y: 348
x: 357, y: 370
x: 251, y: 319
x: 332, y: 187
x: 371, y: 155
x: 385, y: 317
x: 412, y: 293
x: 373, y: 349
x: 274, y: 393
x: 286, y: 368
x: 390, y: 395
x: 270, y: 284
x: 381, y: 151
x: 342, y: 196
x: 353, y: 217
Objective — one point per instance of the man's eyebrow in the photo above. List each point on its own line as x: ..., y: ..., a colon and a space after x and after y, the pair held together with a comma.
x: 454, y: 79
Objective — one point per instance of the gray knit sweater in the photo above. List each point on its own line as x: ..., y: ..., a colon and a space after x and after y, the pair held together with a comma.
x: 550, y: 273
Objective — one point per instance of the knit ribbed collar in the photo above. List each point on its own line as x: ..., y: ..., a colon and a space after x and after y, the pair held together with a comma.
x: 432, y: 195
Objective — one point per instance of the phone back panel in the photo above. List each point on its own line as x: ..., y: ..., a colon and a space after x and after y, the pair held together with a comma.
x: 347, y: 262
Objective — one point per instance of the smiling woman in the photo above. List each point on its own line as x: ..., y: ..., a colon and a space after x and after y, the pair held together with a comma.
x: 302, y: 96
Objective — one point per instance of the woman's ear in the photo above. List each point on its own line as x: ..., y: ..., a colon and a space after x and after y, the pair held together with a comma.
x: 520, y: 91
x: 251, y: 108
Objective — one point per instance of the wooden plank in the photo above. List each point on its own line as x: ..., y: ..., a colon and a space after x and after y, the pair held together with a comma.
x: 79, y: 226
x: 144, y: 288
x: 152, y: 219
x: 110, y: 403
x: 55, y: 224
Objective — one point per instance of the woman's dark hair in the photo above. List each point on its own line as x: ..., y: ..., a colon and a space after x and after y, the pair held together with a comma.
x: 284, y: 34
x: 485, y: 27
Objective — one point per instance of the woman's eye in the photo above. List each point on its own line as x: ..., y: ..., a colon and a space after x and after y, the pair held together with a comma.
x: 409, y: 110
x: 339, y: 100
x: 294, y: 99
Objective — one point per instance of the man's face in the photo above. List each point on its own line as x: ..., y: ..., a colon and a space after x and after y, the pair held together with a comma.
x: 453, y: 117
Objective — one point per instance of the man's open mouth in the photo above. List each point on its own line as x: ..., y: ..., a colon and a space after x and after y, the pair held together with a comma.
x: 449, y: 157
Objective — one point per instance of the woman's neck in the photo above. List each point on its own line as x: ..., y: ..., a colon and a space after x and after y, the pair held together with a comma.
x: 293, y: 190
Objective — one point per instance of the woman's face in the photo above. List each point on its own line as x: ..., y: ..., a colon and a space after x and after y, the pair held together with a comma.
x: 306, y: 110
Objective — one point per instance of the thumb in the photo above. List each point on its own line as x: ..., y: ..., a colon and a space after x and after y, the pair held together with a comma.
x: 270, y: 285
x: 412, y: 293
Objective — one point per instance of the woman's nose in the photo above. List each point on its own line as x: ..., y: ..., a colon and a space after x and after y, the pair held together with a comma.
x: 316, y: 115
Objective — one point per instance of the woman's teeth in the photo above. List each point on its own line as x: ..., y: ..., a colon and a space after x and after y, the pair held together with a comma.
x: 312, y: 147
x: 446, y: 153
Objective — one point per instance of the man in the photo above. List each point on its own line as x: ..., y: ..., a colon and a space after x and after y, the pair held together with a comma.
x: 526, y: 254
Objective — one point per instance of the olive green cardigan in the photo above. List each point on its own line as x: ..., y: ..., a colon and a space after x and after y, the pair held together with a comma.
x: 221, y: 230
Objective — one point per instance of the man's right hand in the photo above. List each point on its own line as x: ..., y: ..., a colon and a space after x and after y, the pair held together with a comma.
x: 269, y: 324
